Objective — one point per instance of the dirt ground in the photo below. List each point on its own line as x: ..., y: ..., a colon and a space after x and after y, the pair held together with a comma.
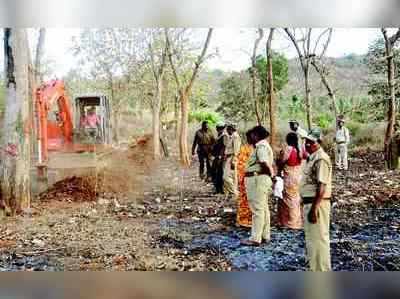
x: 165, y: 218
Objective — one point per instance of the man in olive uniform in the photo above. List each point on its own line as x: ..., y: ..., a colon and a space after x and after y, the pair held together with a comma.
x: 393, y: 153
x: 315, y: 190
x: 258, y: 182
x: 204, y: 141
x: 232, y: 144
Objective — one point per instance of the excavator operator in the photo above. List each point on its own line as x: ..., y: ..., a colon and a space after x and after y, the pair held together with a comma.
x: 91, y: 124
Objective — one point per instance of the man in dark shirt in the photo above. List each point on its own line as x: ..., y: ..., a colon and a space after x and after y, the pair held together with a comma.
x: 204, y: 141
x: 218, y: 153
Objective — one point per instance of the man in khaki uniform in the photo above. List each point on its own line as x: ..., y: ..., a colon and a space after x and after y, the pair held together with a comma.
x: 342, y: 140
x: 258, y: 182
x: 393, y: 149
x: 232, y: 144
x: 315, y: 190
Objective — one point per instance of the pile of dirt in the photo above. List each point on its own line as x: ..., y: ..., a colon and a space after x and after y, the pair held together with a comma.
x: 73, y: 189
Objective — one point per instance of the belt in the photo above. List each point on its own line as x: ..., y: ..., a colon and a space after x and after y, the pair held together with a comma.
x: 341, y: 142
x: 255, y: 173
x: 310, y: 200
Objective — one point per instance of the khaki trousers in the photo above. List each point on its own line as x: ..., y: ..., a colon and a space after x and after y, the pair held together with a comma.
x: 258, y: 190
x: 341, y: 158
x: 317, y: 238
x: 230, y: 178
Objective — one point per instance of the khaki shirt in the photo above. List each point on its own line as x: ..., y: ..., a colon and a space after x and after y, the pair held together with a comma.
x: 232, y: 144
x: 343, y: 135
x: 318, y: 169
x: 262, y: 153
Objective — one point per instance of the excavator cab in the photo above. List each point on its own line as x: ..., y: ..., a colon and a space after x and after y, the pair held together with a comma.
x: 98, y: 108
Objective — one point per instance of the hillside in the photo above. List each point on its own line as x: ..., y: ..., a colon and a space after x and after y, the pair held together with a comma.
x: 348, y: 76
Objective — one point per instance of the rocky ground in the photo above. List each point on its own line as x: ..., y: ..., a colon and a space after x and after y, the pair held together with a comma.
x: 176, y: 223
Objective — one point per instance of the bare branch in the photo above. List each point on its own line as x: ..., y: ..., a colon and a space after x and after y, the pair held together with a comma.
x: 395, y: 37
x: 256, y: 43
x: 153, y: 65
x: 296, y: 45
x: 325, y: 48
x: 200, y: 59
x: 171, y: 62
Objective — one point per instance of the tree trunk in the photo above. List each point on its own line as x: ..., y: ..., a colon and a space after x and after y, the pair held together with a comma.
x: 156, y: 121
x: 271, y: 92
x: 253, y: 76
x: 39, y: 56
x: 308, y: 99
x: 177, y: 117
x: 328, y: 87
x: 183, y: 136
x: 392, y: 98
x: 115, y: 109
x: 15, y: 154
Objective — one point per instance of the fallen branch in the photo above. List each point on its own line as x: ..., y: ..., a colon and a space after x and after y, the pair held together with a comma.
x: 42, y: 251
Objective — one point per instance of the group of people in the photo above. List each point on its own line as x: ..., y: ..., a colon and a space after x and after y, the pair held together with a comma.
x: 300, y: 178
x: 218, y: 156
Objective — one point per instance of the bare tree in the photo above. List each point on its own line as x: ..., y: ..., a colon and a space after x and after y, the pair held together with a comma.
x: 304, y: 57
x: 15, y: 154
x: 391, y: 113
x: 320, y: 65
x: 271, y: 90
x: 39, y: 56
x: 184, y: 91
x: 158, y: 59
x: 253, y: 74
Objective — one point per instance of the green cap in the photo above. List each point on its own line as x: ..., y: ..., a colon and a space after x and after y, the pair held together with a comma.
x: 314, y: 135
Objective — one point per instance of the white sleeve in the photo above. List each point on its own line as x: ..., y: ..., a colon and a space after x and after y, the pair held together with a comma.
x: 347, y: 136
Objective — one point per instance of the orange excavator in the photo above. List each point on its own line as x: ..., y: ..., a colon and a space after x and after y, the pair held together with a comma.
x: 61, y: 140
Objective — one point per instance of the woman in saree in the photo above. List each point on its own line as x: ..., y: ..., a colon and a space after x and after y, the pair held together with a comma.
x: 243, y: 216
x: 289, y: 208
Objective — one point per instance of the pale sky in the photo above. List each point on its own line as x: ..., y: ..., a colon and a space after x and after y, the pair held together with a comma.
x: 234, y: 46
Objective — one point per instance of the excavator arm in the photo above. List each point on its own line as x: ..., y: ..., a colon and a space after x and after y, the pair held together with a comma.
x: 55, y: 133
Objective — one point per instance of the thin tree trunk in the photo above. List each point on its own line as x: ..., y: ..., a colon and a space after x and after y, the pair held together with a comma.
x: 391, y: 113
x: 328, y: 87
x: 15, y: 155
x: 308, y: 100
x: 115, y: 109
x: 176, y: 116
x: 304, y: 58
x: 184, y: 93
x: 253, y: 76
x: 156, y: 121
x: 183, y: 137
x: 271, y: 92
x: 39, y: 56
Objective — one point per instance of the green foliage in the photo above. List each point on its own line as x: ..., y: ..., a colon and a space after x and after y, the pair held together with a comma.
x: 354, y: 127
x: 377, y: 67
x: 234, y: 98
x: 291, y: 107
x: 211, y: 117
x: 324, y: 120
x: 280, y: 69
